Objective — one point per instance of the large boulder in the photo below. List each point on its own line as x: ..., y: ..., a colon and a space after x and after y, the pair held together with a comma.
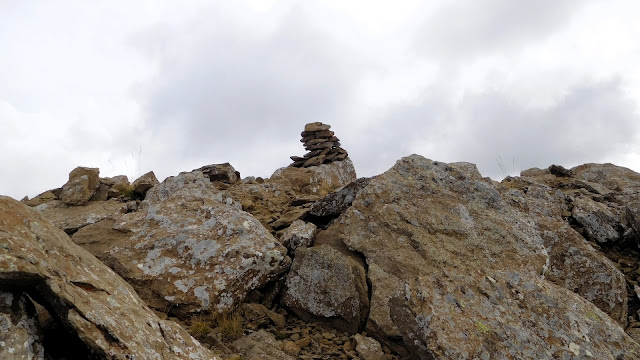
x: 88, y: 298
x: 325, y: 284
x: 458, y: 272
x: 189, y: 247
x: 82, y: 185
x: 71, y: 218
x: 316, y: 180
x: 224, y: 173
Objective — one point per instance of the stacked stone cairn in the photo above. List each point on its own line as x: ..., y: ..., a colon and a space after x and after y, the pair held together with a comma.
x: 322, y: 145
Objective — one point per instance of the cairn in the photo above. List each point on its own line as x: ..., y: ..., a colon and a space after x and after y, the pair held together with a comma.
x: 322, y: 145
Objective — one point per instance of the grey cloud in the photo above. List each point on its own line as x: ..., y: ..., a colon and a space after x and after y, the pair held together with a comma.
x: 466, y: 28
x: 591, y: 123
x: 236, y: 93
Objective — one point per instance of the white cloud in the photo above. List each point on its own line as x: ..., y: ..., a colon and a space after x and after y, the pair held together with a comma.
x: 167, y: 86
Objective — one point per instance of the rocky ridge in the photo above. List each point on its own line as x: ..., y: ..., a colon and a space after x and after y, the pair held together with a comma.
x: 426, y: 261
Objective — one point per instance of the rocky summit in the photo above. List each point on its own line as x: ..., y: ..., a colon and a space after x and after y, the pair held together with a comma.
x: 428, y: 260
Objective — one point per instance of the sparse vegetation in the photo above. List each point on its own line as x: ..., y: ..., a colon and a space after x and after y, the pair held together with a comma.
x: 199, y: 329
x: 229, y: 325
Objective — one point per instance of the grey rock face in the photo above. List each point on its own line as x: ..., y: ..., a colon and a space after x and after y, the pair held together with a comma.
x: 87, y: 296
x: 19, y: 335
x: 144, y: 183
x: 190, y: 245
x: 325, y: 284
x: 464, y: 270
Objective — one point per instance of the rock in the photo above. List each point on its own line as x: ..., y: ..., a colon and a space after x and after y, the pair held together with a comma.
x: 338, y: 201
x: 291, y: 348
x: 573, y: 263
x: 326, y: 285
x: 299, y: 234
x: 634, y: 333
x: 145, y: 182
x: 20, y: 337
x: 543, y: 321
x: 43, y: 198
x: 316, y: 126
x: 260, y: 315
x: 221, y: 172
x: 322, y: 145
x: 368, y: 348
x: 82, y: 185
x: 118, y: 185
x: 598, y: 221
x: 92, y: 173
x: 87, y: 296
x: 261, y: 345
x: 558, y: 170
x: 318, y: 180
x: 102, y: 193
x: 469, y: 267
x: 188, y: 244
x: 71, y: 218
x: 289, y: 217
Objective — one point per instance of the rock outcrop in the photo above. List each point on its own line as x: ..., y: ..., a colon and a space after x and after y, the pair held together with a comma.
x: 82, y: 185
x: 190, y: 248
x: 87, y: 297
x: 426, y: 261
x: 459, y: 273
x: 322, y: 146
x: 325, y: 284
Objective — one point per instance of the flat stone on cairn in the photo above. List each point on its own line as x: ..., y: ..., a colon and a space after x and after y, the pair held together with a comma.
x: 322, y: 146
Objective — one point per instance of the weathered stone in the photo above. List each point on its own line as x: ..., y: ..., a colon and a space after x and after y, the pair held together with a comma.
x: 299, y: 234
x: 573, y: 263
x: 598, y: 221
x: 43, y: 198
x: 82, y: 185
x: 368, y: 348
x: 338, y: 201
x: 558, y: 170
x: 188, y: 244
x: 289, y: 217
x: 318, y: 180
x: 261, y: 345
x: 102, y: 193
x: 316, y: 126
x: 145, y: 182
x: 220, y: 172
x: 259, y: 313
x: 71, y: 218
x: 20, y: 337
x: 89, y: 298
x: 327, y: 285
x: 92, y: 173
x: 469, y: 268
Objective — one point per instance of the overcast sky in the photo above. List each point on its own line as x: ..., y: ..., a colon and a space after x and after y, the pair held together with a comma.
x: 169, y: 86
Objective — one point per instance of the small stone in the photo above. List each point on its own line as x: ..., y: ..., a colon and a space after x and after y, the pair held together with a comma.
x: 368, y: 348
x: 291, y: 348
x: 328, y: 335
x: 145, y: 182
x: 316, y: 126
x: 304, y: 342
x: 294, y: 337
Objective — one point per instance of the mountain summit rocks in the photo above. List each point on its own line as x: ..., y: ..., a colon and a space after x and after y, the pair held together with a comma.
x: 322, y: 145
